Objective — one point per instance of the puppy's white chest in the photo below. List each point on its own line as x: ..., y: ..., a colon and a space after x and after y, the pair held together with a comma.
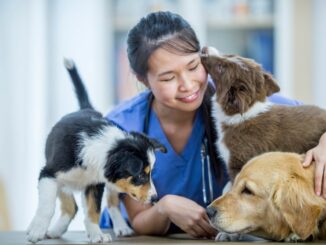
x: 79, y: 178
x: 221, y: 147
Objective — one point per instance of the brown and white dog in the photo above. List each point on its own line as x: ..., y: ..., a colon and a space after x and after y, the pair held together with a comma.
x: 272, y: 197
x: 247, y: 123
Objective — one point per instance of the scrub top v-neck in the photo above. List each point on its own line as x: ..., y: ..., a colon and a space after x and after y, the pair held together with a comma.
x: 177, y: 173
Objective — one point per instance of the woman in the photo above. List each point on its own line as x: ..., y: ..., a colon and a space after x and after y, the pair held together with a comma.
x: 164, y: 53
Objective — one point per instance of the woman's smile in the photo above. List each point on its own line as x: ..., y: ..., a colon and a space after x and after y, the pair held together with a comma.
x: 190, y: 98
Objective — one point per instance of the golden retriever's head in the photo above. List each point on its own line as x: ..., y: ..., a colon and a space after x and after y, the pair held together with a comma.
x: 272, y: 196
x: 240, y: 82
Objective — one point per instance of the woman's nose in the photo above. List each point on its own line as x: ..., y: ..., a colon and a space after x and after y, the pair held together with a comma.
x: 185, y: 83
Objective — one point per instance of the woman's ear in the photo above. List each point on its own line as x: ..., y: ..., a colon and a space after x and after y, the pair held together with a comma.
x: 143, y: 80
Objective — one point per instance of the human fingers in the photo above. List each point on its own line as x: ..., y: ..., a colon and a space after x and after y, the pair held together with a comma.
x: 319, y: 173
x: 324, y: 182
x: 308, y: 158
x: 210, y: 231
x: 199, y: 231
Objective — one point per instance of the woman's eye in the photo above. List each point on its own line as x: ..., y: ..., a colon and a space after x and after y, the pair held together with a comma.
x: 193, y: 68
x: 167, y: 79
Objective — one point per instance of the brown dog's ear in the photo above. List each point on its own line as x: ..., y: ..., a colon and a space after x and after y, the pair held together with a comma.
x: 297, y: 203
x: 270, y: 84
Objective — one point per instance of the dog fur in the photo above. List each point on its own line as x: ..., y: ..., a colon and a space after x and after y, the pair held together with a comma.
x: 84, y: 152
x: 247, y: 123
x: 272, y: 197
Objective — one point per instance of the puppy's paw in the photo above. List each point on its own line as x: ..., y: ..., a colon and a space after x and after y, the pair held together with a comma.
x: 227, y: 237
x: 99, y: 237
x: 36, y: 232
x: 60, y: 227
x: 55, y: 233
x: 124, y: 230
x: 95, y: 234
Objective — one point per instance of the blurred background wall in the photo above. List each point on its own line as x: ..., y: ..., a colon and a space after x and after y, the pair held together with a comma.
x: 286, y: 36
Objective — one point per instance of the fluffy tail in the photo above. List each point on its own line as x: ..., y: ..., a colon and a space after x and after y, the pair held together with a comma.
x: 80, y: 89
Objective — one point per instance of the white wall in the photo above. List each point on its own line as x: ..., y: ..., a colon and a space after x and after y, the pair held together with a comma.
x: 319, y: 52
x: 35, y: 90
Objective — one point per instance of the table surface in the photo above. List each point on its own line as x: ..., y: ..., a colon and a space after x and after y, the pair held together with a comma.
x: 79, y: 237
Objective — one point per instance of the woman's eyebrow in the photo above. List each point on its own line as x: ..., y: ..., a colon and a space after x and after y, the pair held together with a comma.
x: 192, y: 61
x: 165, y: 73
x: 168, y: 72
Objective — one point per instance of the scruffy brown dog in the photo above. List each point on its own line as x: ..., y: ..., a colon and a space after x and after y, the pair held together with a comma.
x: 266, y: 200
x: 247, y: 123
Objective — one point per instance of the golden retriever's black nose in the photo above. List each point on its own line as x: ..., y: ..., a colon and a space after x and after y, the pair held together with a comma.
x: 211, y: 212
x: 154, y: 199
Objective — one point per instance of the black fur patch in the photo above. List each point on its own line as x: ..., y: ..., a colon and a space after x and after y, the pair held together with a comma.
x: 62, y: 146
x: 129, y: 158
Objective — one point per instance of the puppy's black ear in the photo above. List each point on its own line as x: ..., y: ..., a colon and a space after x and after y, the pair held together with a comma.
x: 157, y: 145
x: 297, y: 203
x: 134, y: 165
x: 270, y: 84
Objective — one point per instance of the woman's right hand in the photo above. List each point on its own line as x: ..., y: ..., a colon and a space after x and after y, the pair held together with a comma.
x: 187, y: 215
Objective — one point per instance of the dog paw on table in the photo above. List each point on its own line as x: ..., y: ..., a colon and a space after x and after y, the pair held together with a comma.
x: 227, y: 237
x: 233, y: 237
x: 95, y: 235
x: 123, y: 231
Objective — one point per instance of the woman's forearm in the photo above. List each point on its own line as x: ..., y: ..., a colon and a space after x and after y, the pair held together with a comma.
x: 151, y: 221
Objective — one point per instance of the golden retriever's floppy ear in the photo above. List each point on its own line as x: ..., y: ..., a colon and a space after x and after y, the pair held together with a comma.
x: 270, y: 84
x: 296, y: 201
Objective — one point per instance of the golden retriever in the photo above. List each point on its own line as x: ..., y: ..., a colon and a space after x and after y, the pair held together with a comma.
x: 272, y: 197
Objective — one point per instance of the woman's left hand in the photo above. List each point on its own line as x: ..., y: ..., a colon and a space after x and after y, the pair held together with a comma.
x: 318, y: 154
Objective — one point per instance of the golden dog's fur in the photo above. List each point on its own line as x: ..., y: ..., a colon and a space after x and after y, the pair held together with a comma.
x: 272, y: 197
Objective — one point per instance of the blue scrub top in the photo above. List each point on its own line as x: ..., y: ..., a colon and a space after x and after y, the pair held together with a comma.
x: 178, y: 174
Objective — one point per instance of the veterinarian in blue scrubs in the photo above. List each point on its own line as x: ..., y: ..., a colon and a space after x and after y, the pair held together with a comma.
x: 164, y: 53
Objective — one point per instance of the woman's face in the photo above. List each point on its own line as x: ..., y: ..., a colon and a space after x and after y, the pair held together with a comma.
x: 177, y: 81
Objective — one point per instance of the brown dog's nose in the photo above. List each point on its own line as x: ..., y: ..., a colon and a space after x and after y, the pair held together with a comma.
x: 211, y: 212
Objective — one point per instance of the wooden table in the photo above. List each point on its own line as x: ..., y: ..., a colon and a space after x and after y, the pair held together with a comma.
x: 79, y: 237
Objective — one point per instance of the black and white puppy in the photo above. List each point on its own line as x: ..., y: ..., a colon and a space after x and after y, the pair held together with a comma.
x: 84, y: 152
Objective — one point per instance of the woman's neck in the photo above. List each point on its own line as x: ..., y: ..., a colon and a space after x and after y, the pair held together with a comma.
x: 173, y: 116
x: 177, y: 125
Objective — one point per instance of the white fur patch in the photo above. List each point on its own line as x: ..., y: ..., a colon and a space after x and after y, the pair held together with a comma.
x: 221, y: 118
x: 60, y: 226
x: 221, y: 147
x: 254, y: 111
x: 120, y: 227
x: 93, y: 230
x: 46, y: 206
x: 93, y: 155
x: 152, y: 190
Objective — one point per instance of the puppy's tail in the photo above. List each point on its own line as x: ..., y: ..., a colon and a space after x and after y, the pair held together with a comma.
x: 80, y: 89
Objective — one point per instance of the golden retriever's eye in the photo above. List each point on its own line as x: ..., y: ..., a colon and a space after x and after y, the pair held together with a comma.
x: 247, y: 191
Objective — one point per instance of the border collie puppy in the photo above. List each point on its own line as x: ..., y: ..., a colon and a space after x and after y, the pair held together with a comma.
x: 84, y: 152
x: 247, y: 123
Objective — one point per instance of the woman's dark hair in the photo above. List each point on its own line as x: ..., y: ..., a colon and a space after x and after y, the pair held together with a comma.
x: 159, y: 30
